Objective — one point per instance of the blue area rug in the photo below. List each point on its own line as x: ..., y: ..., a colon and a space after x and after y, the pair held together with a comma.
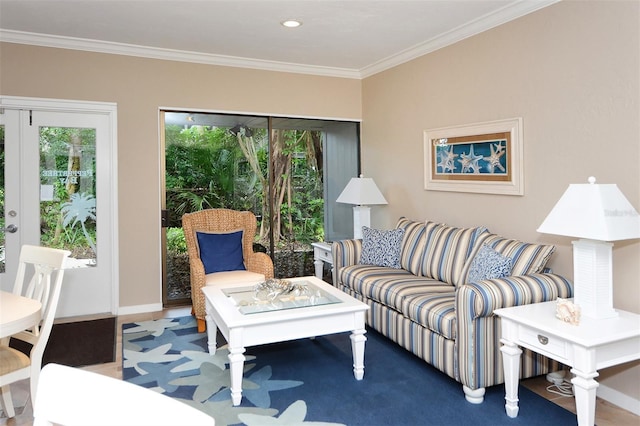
x: 311, y: 382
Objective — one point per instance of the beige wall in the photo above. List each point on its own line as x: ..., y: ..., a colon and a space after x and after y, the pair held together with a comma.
x: 140, y: 87
x: 571, y: 71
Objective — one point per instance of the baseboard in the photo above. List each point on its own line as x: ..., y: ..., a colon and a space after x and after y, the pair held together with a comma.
x: 618, y: 398
x: 139, y: 309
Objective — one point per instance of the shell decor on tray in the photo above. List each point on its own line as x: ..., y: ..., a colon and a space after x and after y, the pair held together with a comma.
x: 274, y: 287
x: 567, y: 311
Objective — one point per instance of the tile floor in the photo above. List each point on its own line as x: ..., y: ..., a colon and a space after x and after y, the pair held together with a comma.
x: 607, y: 414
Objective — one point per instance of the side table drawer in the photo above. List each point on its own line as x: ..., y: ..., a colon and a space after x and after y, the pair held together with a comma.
x: 323, y: 254
x: 543, y: 343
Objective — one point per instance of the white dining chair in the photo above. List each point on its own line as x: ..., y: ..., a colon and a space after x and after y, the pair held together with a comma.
x: 41, y: 269
x: 71, y: 396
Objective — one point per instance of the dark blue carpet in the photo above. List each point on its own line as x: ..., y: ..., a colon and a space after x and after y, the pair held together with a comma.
x: 311, y: 382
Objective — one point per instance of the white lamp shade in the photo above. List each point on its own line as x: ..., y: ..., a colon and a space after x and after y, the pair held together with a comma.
x: 361, y: 191
x: 593, y: 211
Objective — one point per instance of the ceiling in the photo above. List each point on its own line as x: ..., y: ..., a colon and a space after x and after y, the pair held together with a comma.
x: 344, y: 38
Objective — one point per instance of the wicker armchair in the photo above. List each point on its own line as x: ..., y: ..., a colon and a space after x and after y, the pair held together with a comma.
x: 259, y: 265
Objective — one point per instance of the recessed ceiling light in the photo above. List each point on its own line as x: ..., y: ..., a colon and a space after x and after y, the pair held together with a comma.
x: 291, y: 23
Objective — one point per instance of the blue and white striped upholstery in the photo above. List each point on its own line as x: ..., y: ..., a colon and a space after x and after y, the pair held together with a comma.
x: 427, y: 302
x: 422, y: 342
x: 428, y: 308
x: 416, y: 236
x: 447, y: 252
x: 436, y: 311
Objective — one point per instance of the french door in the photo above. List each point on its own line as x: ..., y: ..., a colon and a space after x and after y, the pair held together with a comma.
x: 58, y: 159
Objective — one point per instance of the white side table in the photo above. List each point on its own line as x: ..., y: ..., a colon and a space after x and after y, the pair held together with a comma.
x: 321, y: 255
x: 587, y: 348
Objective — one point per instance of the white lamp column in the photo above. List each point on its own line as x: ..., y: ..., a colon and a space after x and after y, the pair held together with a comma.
x: 593, y: 275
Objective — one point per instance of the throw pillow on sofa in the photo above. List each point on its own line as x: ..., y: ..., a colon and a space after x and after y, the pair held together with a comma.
x: 526, y: 258
x: 488, y: 264
x: 381, y: 248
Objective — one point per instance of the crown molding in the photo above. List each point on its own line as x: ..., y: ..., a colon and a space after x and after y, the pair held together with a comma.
x: 469, y: 29
x: 491, y: 20
x: 73, y: 43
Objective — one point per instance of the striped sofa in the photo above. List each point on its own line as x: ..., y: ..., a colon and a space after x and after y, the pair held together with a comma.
x: 430, y: 309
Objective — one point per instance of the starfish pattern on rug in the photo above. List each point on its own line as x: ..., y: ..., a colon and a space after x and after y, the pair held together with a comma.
x: 128, y: 341
x: 208, y: 373
x: 259, y: 396
x: 197, y: 358
x: 225, y: 413
x: 155, y: 327
x: 161, y: 374
x: 178, y: 342
x: 294, y: 415
x: 203, y: 380
x: 209, y: 382
x: 132, y: 359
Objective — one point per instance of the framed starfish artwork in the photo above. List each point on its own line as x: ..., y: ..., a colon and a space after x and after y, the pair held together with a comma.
x: 481, y: 157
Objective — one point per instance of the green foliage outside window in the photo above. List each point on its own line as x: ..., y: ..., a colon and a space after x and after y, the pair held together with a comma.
x: 68, y: 219
x: 208, y: 168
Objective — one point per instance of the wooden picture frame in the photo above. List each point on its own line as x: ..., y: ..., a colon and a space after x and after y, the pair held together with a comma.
x: 482, y: 157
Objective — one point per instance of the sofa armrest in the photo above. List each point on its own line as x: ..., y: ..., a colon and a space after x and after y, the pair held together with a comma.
x: 480, y: 299
x: 345, y: 253
x: 478, y: 329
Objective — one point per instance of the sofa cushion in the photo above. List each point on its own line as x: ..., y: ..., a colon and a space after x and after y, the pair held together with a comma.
x: 435, y: 311
x: 526, y: 258
x: 488, y: 264
x: 416, y: 235
x: 388, y: 286
x: 381, y: 248
x: 447, y: 252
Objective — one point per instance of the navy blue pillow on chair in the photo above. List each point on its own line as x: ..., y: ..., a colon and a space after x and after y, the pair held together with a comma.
x: 221, y: 252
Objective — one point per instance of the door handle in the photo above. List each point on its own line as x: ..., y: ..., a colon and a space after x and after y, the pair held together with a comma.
x: 10, y: 229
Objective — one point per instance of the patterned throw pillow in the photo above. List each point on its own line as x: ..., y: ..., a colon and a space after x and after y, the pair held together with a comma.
x: 488, y: 264
x: 381, y: 248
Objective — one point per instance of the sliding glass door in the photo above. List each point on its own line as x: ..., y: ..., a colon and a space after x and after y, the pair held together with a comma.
x: 288, y: 172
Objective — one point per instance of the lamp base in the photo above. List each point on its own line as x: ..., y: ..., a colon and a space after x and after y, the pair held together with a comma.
x: 592, y: 274
x: 361, y: 217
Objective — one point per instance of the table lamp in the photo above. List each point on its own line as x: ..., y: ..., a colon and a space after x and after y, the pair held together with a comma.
x: 596, y: 214
x: 362, y: 192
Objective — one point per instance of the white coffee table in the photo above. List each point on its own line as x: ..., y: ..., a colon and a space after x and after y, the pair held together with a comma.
x: 341, y: 313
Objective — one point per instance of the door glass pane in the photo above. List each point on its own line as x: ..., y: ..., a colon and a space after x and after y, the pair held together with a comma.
x: 68, y: 191
x: 298, y: 201
x: 2, y: 224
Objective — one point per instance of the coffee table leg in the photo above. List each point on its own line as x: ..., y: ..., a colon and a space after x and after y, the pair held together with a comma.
x: 357, y: 348
x: 212, y: 332
x: 236, y: 367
